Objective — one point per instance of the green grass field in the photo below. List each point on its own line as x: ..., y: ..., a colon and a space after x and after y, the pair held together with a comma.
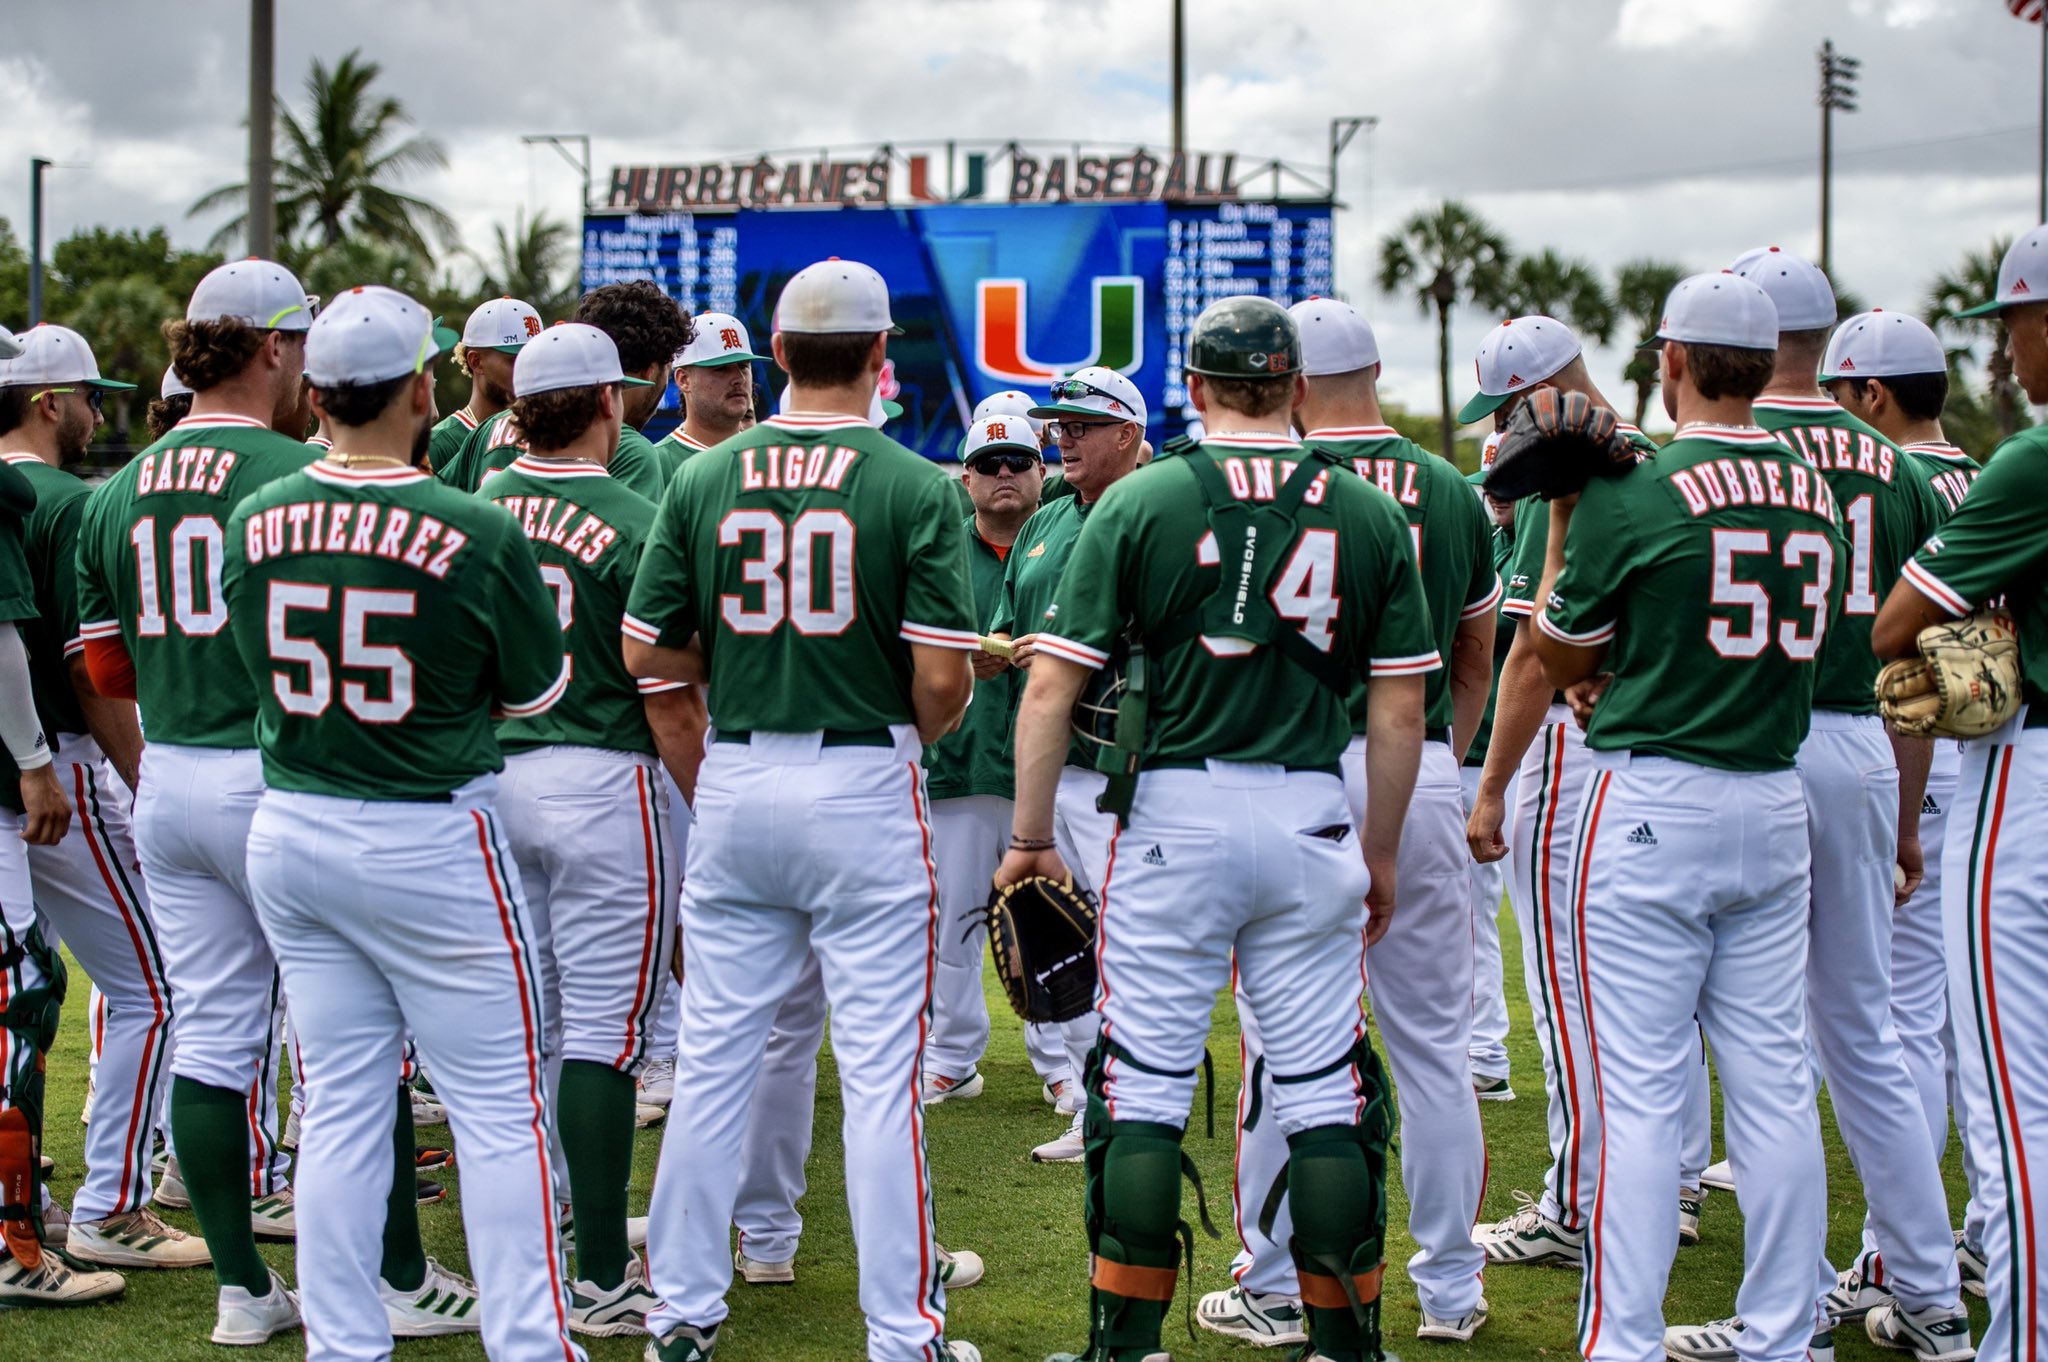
x: 1023, y: 1218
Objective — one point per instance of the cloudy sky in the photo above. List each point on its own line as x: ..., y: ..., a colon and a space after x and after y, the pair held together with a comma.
x: 1604, y: 128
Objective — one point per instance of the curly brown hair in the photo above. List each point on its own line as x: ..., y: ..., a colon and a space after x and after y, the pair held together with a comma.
x: 209, y: 353
x: 553, y: 420
x: 165, y: 412
x: 642, y: 321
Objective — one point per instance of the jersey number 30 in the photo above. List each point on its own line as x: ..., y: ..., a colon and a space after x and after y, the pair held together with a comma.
x: 358, y: 605
x: 792, y: 548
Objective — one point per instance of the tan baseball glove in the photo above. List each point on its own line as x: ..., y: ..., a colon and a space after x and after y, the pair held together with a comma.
x: 1964, y: 684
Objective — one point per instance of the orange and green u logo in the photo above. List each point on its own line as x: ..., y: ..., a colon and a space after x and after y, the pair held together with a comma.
x: 1118, y: 324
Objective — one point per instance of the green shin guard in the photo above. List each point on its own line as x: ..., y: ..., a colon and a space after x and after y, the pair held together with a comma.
x: 210, y: 1128
x: 596, y: 1109
x: 1337, y: 1188
x: 405, y: 1259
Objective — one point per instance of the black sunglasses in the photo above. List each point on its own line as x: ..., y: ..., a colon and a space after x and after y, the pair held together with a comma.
x: 95, y: 398
x: 988, y: 465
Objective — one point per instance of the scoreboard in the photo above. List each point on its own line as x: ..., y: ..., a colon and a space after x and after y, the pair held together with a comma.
x: 990, y: 296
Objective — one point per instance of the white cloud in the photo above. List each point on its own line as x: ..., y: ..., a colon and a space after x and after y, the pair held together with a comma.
x: 1651, y: 24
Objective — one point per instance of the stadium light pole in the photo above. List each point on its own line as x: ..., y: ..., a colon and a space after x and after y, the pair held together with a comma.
x: 1837, y: 91
x: 1180, y: 79
x: 36, y: 166
x: 559, y: 141
x: 262, y: 110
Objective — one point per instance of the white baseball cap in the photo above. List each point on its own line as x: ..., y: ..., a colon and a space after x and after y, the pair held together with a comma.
x: 54, y: 356
x: 173, y: 386
x: 9, y: 346
x: 1802, y: 294
x: 1718, y: 309
x: 834, y: 296
x: 1335, y: 337
x: 716, y: 340
x: 569, y: 355
x: 262, y: 293
x: 1515, y: 356
x: 372, y: 334
x: 2022, y: 275
x: 502, y: 324
x: 1008, y: 402
x: 1880, y: 344
x: 1094, y: 391
x: 1001, y: 432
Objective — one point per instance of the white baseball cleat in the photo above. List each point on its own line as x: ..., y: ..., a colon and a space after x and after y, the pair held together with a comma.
x: 1971, y: 1265
x: 621, y: 1310
x: 1936, y: 1334
x: 243, y: 1320
x: 1492, y: 1089
x: 1691, y: 1201
x: 646, y: 1114
x: 135, y: 1239
x: 1068, y: 1148
x: 426, y: 1111
x: 1719, y: 1176
x: 443, y: 1304
x: 275, y: 1216
x: 939, y: 1088
x: 1715, y: 1342
x: 1459, y: 1330
x: 1265, y: 1321
x: 170, y: 1187
x: 636, y: 1230
x: 52, y: 1281
x: 959, y: 1268
x: 1529, y: 1236
x: 684, y: 1343
x: 756, y: 1272
x: 960, y: 1350
x: 658, y: 1083
x: 56, y: 1221
x: 1856, y: 1292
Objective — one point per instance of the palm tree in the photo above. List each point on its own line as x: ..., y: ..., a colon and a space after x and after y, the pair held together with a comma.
x: 1970, y: 283
x: 533, y: 263
x: 335, y: 169
x: 1640, y: 288
x: 1449, y: 254
x: 125, y: 317
x: 1554, y: 286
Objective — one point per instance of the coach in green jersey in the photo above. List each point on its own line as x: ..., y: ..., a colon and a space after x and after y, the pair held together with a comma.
x: 714, y: 377
x: 382, y: 617
x: 491, y: 339
x: 1705, y: 580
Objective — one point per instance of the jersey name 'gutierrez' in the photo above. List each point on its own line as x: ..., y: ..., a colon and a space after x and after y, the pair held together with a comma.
x: 365, y: 528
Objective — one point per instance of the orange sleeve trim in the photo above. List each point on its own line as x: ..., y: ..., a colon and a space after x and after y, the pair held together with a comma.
x: 112, y: 671
x: 1134, y: 1283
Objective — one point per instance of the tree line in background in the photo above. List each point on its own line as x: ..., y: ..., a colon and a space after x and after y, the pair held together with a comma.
x: 345, y: 219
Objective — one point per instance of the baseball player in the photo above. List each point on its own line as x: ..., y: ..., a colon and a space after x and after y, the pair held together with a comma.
x: 1890, y: 370
x: 814, y: 573
x: 1247, y: 565
x: 491, y: 340
x: 968, y: 772
x: 1010, y: 402
x: 1994, y: 890
x: 86, y: 884
x: 1097, y: 418
x: 1489, y: 1048
x: 585, y: 809
x: 1536, y: 745
x: 171, y: 406
x: 714, y: 377
x: 1858, y: 798
x: 381, y: 617
x: 1420, y: 972
x: 1705, y: 581
x: 151, y: 550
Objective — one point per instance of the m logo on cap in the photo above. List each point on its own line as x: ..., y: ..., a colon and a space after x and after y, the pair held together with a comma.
x: 729, y: 338
x: 998, y: 431
x: 532, y: 325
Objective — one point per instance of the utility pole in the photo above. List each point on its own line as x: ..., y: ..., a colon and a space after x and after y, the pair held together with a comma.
x: 1180, y: 80
x: 580, y: 164
x: 262, y: 108
x: 36, y: 167
x: 1837, y: 91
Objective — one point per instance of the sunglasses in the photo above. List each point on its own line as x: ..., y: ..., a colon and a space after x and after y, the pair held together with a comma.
x: 1070, y: 431
x: 1069, y: 388
x: 94, y: 397
x: 988, y: 465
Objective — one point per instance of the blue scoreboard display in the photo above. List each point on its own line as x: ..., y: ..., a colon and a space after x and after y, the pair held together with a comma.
x: 989, y: 296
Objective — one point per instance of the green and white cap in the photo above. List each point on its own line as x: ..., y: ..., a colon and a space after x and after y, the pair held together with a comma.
x: 1008, y: 402
x: 173, y: 386
x: 372, y: 334
x: 2022, y: 275
x: 834, y: 296
x: 716, y: 340
x: 1516, y: 356
x: 502, y: 324
x: 1799, y: 290
x: 1093, y: 391
x: 569, y: 355
x: 1719, y: 309
x: 1880, y: 344
x: 55, y: 357
x: 262, y: 293
x: 1001, y: 432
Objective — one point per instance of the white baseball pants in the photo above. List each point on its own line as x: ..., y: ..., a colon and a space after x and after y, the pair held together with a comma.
x: 192, y: 819
x: 661, y: 1041
x: 1488, y: 1051
x: 969, y: 836
x: 1691, y: 901
x: 1852, y: 817
x: 1086, y: 838
x: 337, y: 882
x: 1995, y: 908
x: 785, y: 862
x: 778, y: 1141
x: 90, y: 888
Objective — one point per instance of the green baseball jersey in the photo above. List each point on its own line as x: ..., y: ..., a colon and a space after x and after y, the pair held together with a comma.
x: 1993, y: 546
x: 806, y: 555
x: 17, y: 607
x: 975, y: 758
x: 1949, y: 472
x: 1888, y: 510
x: 587, y: 531
x: 1448, y: 529
x: 447, y: 437
x: 1503, y: 549
x: 675, y: 449
x: 1524, y: 576
x: 52, y: 545
x: 1054, y: 488
x: 382, y: 616
x: 1714, y: 572
x: 1031, y: 575
x: 151, y: 550
x: 1146, y: 556
x: 497, y: 441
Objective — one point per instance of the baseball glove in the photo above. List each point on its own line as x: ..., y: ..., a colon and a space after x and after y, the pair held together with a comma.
x: 1043, y: 933
x: 1554, y: 444
x: 1964, y: 684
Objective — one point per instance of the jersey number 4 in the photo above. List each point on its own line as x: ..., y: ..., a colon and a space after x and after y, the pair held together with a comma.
x: 358, y: 605
x: 1799, y: 637
x: 782, y: 578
